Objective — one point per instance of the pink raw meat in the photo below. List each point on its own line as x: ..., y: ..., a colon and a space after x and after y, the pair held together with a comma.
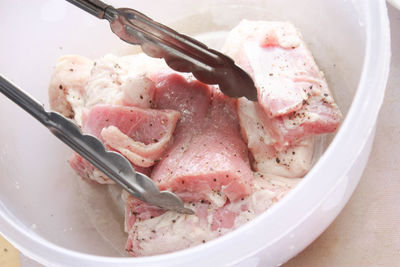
x: 208, y: 159
x: 291, y: 89
x: 152, y: 231
x: 141, y: 135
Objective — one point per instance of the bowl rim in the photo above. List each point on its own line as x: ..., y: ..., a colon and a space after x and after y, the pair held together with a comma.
x: 367, y: 100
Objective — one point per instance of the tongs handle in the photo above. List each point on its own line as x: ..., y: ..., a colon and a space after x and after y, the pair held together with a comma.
x: 112, y: 164
x: 182, y: 53
x: 94, y: 7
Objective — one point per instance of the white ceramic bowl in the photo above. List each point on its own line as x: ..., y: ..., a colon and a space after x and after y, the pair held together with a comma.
x: 40, y: 206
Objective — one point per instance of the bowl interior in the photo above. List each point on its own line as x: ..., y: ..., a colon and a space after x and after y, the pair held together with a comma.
x: 38, y: 190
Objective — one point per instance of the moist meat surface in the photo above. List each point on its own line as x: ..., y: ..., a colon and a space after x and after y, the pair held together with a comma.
x: 228, y: 159
x: 291, y: 89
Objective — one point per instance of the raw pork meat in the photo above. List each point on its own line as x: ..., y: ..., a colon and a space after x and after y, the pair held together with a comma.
x: 141, y: 135
x: 208, y: 159
x: 294, y: 161
x: 153, y: 231
x: 291, y: 89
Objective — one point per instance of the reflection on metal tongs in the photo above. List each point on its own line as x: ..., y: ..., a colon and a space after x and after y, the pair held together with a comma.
x: 113, y: 164
x: 181, y: 53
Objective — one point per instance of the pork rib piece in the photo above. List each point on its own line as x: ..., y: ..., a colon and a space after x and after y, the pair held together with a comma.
x: 291, y: 89
x: 141, y: 135
x: 208, y: 159
x: 153, y: 231
x: 292, y: 162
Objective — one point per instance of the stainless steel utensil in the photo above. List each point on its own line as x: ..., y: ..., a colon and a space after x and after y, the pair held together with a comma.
x: 181, y: 53
x: 113, y: 164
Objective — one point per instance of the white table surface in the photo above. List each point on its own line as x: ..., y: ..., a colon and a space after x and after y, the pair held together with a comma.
x: 367, y: 231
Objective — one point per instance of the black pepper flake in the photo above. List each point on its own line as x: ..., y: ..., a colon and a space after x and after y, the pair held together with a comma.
x: 325, y: 94
x: 278, y: 160
x: 215, y: 180
x: 183, y: 182
x: 203, y: 241
x: 5, y: 249
x: 151, y: 124
x: 174, y: 221
x: 141, y: 97
x: 153, y: 231
x: 151, y: 217
x: 293, y: 153
x: 71, y: 69
x: 155, y: 140
x: 271, y: 74
x: 60, y: 86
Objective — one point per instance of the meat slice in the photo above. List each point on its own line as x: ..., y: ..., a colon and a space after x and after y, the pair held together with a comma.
x: 294, y: 161
x: 291, y: 89
x: 153, y: 231
x: 208, y: 159
x: 139, y: 134
x: 67, y: 85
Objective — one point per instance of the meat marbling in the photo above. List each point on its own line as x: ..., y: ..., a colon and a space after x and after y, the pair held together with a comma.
x: 208, y: 159
x: 152, y: 231
x: 291, y: 88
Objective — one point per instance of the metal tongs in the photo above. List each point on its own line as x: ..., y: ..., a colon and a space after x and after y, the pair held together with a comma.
x: 181, y: 53
x: 113, y: 164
